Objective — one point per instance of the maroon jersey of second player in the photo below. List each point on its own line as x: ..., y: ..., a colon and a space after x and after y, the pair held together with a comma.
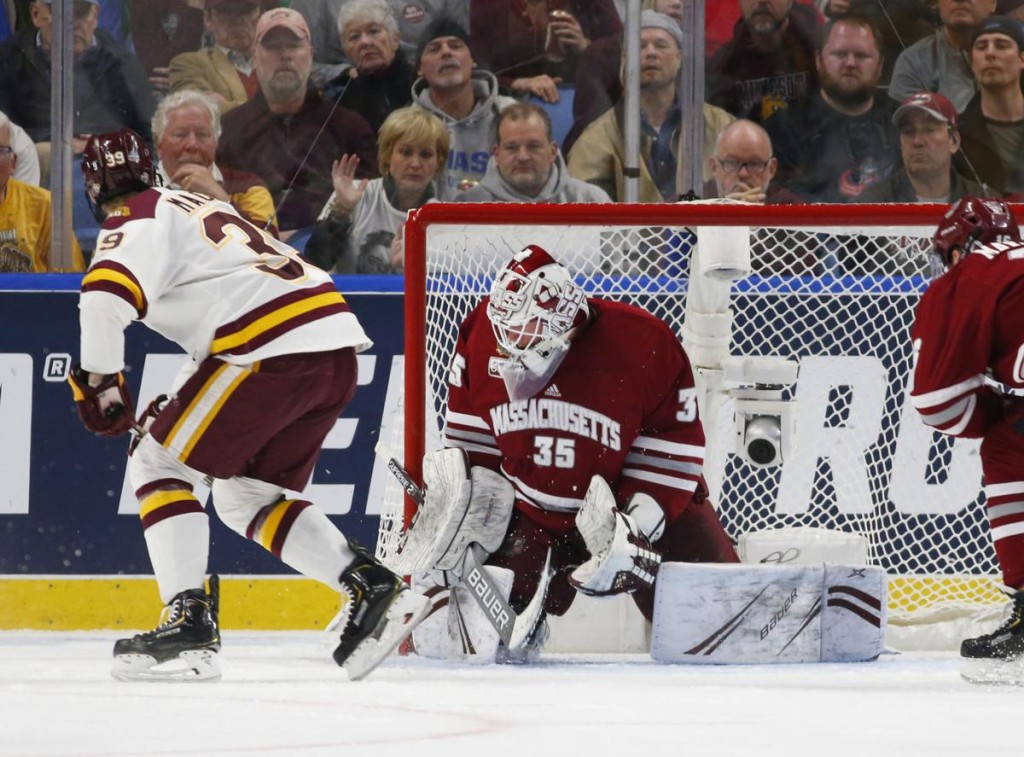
x: 622, y: 404
x: 969, y: 322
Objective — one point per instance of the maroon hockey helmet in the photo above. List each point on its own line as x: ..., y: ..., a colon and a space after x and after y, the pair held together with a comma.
x: 114, y: 164
x: 972, y: 221
x: 533, y: 301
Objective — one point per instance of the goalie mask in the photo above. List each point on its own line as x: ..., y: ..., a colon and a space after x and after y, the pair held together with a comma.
x: 533, y: 302
x: 115, y: 164
x: 970, y: 222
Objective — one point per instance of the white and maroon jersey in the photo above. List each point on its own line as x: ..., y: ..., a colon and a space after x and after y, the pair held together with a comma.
x: 194, y: 271
x: 969, y: 323
x: 621, y: 404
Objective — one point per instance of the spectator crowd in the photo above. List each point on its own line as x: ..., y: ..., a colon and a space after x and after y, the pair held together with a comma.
x: 328, y: 120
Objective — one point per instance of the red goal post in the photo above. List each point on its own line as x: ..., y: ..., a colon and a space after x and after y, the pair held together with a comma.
x: 832, y: 287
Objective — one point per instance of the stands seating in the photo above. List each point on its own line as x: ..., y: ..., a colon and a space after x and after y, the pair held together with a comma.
x: 559, y: 112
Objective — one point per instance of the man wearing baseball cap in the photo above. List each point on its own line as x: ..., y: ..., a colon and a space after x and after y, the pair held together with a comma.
x: 929, y: 140
x: 288, y: 134
x: 224, y: 71
x: 992, y: 124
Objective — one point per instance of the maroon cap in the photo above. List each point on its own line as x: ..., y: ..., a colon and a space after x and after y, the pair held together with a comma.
x: 935, y: 105
x: 282, y: 18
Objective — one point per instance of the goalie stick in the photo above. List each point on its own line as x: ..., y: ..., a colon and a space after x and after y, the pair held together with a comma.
x: 514, y: 630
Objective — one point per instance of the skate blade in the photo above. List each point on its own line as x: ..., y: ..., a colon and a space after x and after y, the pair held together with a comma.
x: 404, y: 614
x: 993, y: 672
x: 193, y: 665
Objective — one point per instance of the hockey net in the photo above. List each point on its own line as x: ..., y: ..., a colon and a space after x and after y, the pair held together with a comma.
x: 832, y: 287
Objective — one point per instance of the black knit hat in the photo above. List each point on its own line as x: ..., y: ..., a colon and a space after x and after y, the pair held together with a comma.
x: 442, y: 26
x: 1001, y: 25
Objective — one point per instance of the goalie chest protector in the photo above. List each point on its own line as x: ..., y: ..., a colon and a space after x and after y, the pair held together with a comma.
x: 714, y: 614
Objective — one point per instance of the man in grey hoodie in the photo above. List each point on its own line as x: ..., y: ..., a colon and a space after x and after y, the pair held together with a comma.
x: 466, y: 101
x: 527, y: 166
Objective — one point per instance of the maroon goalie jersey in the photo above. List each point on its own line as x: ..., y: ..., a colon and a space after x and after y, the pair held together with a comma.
x: 621, y: 404
x: 968, y: 322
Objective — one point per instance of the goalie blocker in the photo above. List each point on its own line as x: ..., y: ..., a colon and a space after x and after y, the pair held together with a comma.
x: 714, y: 614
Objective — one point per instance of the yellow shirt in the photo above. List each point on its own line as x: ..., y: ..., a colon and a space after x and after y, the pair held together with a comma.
x: 25, y: 221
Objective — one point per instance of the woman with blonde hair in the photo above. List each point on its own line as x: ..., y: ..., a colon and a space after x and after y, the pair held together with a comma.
x: 360, y: 228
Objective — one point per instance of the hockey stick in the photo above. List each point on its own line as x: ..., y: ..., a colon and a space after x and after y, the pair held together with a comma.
x: 1000, y: 388
x: 514, y: 630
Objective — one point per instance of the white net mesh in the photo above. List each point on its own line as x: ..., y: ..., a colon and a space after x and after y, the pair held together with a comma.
x: 840, y: 300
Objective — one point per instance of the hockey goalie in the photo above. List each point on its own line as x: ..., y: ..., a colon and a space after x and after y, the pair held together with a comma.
x: 579, y: 418
x: 573, y: 465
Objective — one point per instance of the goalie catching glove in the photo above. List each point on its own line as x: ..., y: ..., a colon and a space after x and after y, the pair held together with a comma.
x: 106, y: 408
x: 622, y: 559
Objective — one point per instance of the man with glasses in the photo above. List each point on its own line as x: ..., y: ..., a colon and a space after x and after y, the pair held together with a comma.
x: 743, y: 166
x: 743, y: 170
x: 225, y: 70
x: 25, y: 218
x: 110, y: 87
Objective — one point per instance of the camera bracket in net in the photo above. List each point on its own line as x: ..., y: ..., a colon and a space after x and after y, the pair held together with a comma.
x: 764, y: 411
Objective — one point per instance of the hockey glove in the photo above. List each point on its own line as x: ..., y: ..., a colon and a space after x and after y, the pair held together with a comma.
x: 105, y: 409
x: 141, y: 428
x: 622, y: 559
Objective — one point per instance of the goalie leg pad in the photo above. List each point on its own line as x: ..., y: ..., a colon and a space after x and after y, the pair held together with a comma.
x: 456, y: 628
x: 714, y: 614
x: 430, y: 638
x: 471, y: 637
x: 461, y: 506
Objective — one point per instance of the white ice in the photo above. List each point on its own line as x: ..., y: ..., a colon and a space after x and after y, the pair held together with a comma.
x: 282, y: 695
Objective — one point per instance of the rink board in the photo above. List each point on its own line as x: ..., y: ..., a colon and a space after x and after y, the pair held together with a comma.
x: 67, y: 512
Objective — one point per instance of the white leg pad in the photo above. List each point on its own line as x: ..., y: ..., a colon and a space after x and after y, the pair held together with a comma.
x: 457, y: 628
x: 430, y: 637
x: 471, y: 637
x: 854, y: 613
x: 714, y: 614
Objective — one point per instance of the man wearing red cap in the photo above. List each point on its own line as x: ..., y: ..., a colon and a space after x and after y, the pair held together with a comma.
x: 929, y: 140
x: 288, y: 134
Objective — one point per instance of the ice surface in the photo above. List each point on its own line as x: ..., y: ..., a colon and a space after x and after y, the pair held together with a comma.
x: 282, y: 695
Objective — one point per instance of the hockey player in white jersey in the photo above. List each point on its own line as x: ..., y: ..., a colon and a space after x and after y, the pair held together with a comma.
x: 273, y: 347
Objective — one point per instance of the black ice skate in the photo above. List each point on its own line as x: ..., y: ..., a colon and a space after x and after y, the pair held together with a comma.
x: 380, y: 614
x: 997, y: 657
x: 183, y: 646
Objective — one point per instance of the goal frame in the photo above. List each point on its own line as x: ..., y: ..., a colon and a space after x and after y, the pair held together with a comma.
x: 893, y: 221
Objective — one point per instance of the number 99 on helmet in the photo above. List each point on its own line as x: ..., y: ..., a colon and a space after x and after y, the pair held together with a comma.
x: 114, y: 164
x: 534, y: 301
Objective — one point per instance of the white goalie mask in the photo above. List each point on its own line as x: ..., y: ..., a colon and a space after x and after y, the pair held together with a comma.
x: 534, y: 302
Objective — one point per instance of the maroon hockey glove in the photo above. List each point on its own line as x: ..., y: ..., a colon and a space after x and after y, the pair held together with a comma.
x: 105, y: 409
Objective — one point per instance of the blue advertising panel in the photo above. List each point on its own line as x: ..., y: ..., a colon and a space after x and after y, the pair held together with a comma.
x: 65, y: 506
